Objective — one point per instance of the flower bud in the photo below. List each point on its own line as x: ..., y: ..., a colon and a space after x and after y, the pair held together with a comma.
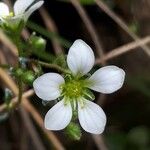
x: 37, y: 42
x: 28, y: 77
x: 17, y: 72
x: 73, y: 131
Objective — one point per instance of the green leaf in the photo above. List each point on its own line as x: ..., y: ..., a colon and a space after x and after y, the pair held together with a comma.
x: 87, y: 2
x: 50, y: 35
x: 83, y: 2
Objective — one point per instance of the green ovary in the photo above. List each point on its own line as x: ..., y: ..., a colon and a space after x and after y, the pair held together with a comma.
x: 72, y: 89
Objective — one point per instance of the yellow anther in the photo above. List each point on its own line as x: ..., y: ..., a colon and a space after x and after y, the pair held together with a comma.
x: 11, y: 14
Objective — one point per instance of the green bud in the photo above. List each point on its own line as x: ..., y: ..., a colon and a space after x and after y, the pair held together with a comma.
x: 17, y: 72
x: 28, y: 77
x: 37, y: 42
x: 73, y: 131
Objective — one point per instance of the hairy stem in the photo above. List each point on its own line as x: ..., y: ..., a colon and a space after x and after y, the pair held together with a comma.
x: 51, y: 66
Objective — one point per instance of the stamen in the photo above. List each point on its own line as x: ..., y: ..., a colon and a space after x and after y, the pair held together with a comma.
x: 11, y: 14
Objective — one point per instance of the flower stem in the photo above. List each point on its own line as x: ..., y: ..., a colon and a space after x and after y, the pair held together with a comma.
x: 51, y: 66
x: 17, y: 41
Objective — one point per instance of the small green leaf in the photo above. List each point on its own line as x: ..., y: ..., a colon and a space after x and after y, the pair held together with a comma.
x: 87, y: 2
x: 83, y: 2
x: 89, y: 95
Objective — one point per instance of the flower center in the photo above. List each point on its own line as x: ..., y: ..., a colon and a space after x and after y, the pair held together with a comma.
x: 11, y: 14
x: 72, y: 89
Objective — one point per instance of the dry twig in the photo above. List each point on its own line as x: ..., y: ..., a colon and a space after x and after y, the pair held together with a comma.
x: 25, y: 103
x: 89, y: 25
x: 123, y: 49
x: 31, y: 130
x: 5, y: 40
x: 121, y: 23
x: 50, y: 24
x: 99, y: 141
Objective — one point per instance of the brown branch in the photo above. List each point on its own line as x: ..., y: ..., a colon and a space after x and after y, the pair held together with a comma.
x: 2, y: 58
x: 8, y: 3
x: 121, y: 23
x: 25, y: 34
x: 8, y: 81
x: 50, y: 24
x: 39, y: 121
x: 89, y: 25
x: 27, y: 105
x: 31, y: 129
x: 5, y: 40
x: 123, y: 49
x: 98, y: 139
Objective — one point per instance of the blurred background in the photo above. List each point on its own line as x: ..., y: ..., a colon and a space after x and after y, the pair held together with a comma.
x: 106, y: 25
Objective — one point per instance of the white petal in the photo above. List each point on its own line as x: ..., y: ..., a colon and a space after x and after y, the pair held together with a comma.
x: 21, y: 5
x: 32, y: 9
x: 80, y: 58
x: 91, y: 117
x: 47, y: 86
x: 4, y: 10
x: 59, y: 116
x: 107, y: 79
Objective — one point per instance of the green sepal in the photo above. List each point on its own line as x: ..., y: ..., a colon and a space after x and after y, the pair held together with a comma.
x: 17, y: 72
x: 73, y: 131
x: 89, y: 95
x: 28, y: 77
x: 12, y: 28
x: 37, y: 42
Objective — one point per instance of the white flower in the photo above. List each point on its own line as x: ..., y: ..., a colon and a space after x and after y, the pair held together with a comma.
x: 73, y: 91
x: 22, y: 10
